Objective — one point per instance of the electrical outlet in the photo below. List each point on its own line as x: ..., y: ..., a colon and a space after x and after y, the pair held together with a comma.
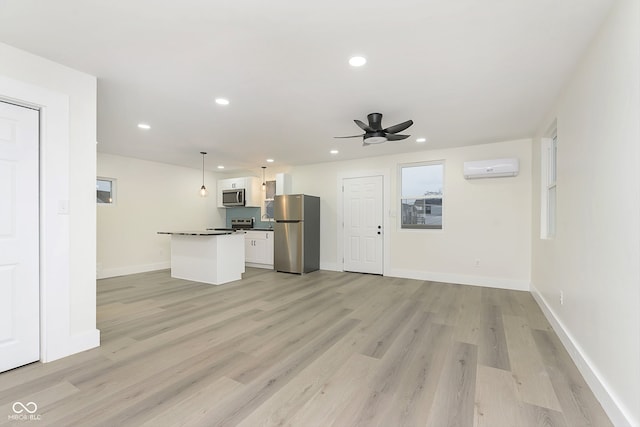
x: 561, y: 298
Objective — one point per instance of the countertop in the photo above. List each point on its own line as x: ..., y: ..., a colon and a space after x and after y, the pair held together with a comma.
x: 229, y: 230
x: 197, y: 233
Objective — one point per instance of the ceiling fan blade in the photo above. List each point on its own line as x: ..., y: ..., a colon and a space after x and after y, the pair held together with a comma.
x: 363, y: 126
x: 352, y: 136
x: 392, y: 137
x: 375, y: 121
x: 399, y: 127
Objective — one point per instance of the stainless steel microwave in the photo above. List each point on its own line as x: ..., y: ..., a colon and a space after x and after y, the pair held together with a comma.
x: 234, y: 197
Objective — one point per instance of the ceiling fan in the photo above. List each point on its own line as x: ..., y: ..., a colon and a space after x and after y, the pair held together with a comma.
x: 375, y: 134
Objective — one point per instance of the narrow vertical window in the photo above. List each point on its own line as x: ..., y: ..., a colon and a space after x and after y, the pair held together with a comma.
x: 105, y: 191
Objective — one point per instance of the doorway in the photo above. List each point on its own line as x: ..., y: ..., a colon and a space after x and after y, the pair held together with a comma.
x: 363, y: 204
x: 19, y: 236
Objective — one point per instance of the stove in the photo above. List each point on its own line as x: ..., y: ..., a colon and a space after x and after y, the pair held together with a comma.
x: 238, y: 224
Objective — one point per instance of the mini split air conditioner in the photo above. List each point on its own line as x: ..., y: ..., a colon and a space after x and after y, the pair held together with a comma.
x: 491, y: 168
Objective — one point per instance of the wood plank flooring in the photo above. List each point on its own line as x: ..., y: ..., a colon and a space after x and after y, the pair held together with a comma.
x: 324, y: 349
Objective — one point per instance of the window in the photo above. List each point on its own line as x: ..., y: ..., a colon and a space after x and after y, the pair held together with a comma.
x: 105, y: 191
x: 421, y: 195
x: 549, y: 188
x: 269, y: 195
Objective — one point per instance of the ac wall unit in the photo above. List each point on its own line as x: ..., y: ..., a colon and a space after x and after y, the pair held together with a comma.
x: 491, y: 168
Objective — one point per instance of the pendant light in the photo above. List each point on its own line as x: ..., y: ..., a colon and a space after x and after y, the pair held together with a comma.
x: 264, y: 183
x: 203, y: 189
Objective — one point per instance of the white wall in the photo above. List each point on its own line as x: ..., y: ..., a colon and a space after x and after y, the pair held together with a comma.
x: 487, y: 219
x: 594, y: 258
x: 67, y: 99
x: 150, y: 197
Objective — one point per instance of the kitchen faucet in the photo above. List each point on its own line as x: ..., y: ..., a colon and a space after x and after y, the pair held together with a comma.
x: 270, y: 222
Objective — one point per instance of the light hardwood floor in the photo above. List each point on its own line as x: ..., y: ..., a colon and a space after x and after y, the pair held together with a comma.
x: 324, y: 349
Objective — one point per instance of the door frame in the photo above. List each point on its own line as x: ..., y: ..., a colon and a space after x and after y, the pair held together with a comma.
x: 56, y: 339
x: 386, y: 204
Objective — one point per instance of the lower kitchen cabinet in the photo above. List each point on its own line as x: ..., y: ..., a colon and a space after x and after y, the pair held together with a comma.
x: 258, y: 249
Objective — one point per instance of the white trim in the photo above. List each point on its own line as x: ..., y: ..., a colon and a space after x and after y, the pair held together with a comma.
x: 461, y: 279
x: 76, y: 344
x: 256, y: 265
x: 132, y: 269
x: 55, y: 334
x: 386, y: 189
x: 331, y: 266
x: 619, y: 415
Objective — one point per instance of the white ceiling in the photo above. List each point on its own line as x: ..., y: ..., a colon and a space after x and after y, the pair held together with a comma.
x: 465, y: 71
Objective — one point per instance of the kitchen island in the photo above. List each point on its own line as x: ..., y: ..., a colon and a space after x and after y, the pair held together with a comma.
x: 211, y: 256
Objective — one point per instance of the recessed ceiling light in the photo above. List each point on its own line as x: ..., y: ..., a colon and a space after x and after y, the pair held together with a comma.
x: 220, y: 167
x: 222, y: 101
x: 421, y: 140
x: 334, y: 151
x: 144, y: 126
x: 357, y: 61
x: 269, y: 160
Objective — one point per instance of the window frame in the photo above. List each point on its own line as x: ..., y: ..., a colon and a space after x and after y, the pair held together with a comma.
x: 420, y: 227
x: 113, y: 182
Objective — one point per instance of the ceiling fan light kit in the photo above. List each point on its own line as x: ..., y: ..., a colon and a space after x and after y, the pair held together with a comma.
x: 375, y: 134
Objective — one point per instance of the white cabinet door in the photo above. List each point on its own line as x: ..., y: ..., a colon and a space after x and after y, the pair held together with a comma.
x: 250, y: 254
x: 268, y: 254
x: 259, y: 248
x: 253, y: 192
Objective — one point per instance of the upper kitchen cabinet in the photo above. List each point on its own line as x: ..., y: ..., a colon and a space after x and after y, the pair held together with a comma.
x: 251, y: 186
x: 283, y: 184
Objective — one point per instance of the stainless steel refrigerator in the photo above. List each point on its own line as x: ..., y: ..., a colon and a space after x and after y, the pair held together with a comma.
x: 296, y: 233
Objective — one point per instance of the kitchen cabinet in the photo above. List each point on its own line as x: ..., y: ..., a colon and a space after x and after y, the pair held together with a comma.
x: 283, y: 184
x: 251, y: 185
x: 258, y: 247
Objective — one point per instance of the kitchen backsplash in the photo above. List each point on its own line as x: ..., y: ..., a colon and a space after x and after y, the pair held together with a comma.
x: 246, y: 213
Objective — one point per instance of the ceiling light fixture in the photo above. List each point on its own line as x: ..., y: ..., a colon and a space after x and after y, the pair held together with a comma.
x: 334, y: 151
x: 222, y: 101
x: 421, y: 140
x: 220, y: 167
x: 264, y: 183
x: 144, y: 126
x: 269, y: 160
x: 357, y: 61
x: 203, y: 189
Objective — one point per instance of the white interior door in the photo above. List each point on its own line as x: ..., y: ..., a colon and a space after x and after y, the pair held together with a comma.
x: 363, y: 232
x: 19, y: 231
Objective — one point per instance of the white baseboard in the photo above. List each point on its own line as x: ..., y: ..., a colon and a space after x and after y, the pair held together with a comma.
x: 254, y: 265
x: 132, y: 269
x: 616, y: 412
x: 490, y: 282
x: 75, y: 344
x: 330, y: 266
